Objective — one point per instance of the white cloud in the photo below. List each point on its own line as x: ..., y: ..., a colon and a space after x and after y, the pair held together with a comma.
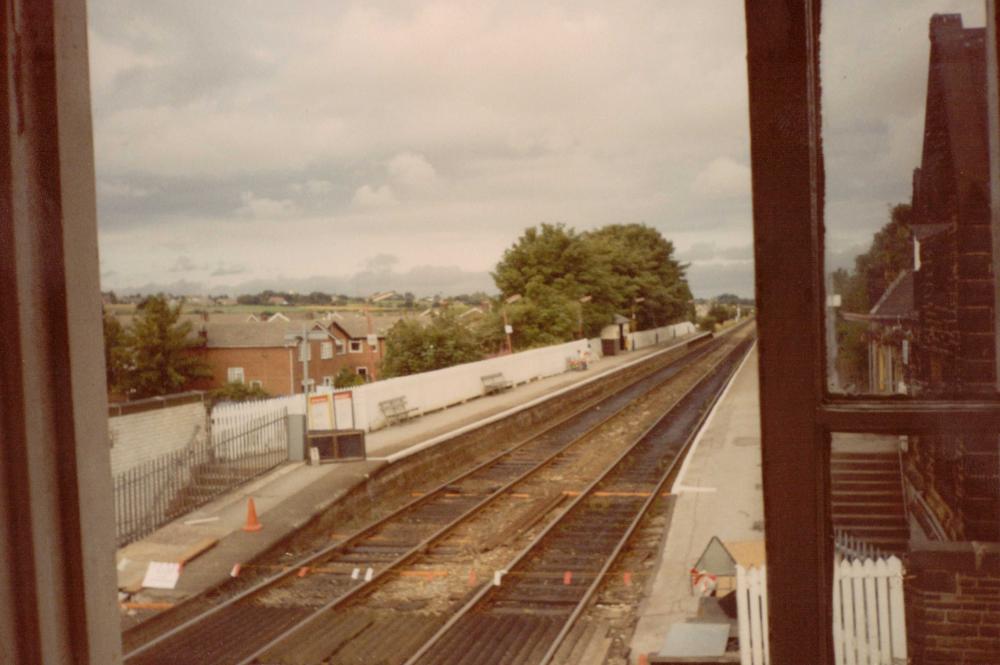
x: 411, y: 170
x: 265, y: 208
x: 367, y: 196
x: 313, y: 187
x: 722, y: 178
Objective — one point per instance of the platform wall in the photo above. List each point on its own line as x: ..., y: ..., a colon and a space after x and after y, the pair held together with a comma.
x: 644, y: 338
x: 143, y: 436
x: 441, y: 388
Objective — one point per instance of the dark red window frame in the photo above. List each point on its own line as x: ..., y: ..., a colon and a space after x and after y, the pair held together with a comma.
x: 797, y: 415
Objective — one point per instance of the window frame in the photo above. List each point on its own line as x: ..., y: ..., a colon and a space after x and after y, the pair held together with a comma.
x: 230, y: 371
x: 798, y: 414
x: 325, y: 350
x: 360, y: 343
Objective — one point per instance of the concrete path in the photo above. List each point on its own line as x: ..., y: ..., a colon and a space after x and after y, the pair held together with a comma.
x: 292, y: 494
x: 718, y: 493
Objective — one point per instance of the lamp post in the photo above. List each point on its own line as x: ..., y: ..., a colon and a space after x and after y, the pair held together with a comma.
x: 579, y: 314
x: 635, y: 301
x: 507, y: 329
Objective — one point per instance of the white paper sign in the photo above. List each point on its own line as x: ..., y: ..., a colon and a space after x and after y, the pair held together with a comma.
x: 162, y: 575
x: 343, y: 409
x: 321, y: 411
x: 509, y: 329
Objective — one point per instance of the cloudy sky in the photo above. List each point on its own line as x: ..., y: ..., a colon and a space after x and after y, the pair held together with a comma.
x: 356, y: 146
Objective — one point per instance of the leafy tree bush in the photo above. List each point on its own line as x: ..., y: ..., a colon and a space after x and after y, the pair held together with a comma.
x: 238, y: 392
x: 412, y: 347
x: 722, y: 313
x: 116, y: 353
x: 161, y: 351
x: 346, y: 378
x: 618, y: 267
x: 707, y: 323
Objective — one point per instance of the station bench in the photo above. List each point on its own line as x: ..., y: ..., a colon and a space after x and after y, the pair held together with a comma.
x: 396, y: 411
x: 495, y: 383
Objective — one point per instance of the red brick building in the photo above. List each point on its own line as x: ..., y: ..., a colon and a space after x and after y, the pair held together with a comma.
x: 271, y: 354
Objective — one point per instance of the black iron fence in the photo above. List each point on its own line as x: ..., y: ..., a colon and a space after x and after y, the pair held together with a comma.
x: 163, y: 489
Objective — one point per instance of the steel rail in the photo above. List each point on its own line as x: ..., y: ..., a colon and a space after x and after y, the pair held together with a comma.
x: 363, y: 532
x: 457, y: 521
x: 623, y: 541
x: 537, y: 542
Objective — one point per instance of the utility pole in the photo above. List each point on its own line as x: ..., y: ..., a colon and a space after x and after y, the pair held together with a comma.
x: 579, y: 313
x: 305, y: 361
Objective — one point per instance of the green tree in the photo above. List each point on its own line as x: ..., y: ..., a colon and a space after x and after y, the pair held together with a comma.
x: 116, y: 353
x: 707, y: 323
x: 347, y: 377
x: 238, y: 392
x: 162, y: 351
x: 889, y: 255
x: 645, y: 273
x: 412, y: 347
x: 552, y: 265
x: 721, y: 313
x: 618, y: 267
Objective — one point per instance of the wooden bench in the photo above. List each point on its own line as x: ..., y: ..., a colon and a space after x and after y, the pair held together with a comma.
x: 396, y: 411
x: 495, y: 383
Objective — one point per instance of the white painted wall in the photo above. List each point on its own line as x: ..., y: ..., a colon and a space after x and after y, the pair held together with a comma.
x: 139, y: 437
x: 644, y: 338
x: 430, y: 391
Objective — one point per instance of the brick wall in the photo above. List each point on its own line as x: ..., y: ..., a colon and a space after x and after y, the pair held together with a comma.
x: 952, y: 593
x: 146, y: 434
x: 959, y: 479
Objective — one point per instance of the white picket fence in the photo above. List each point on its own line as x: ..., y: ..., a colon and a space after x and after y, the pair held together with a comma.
x: 869, y: 618
x: 230, y: 418
x: 751, y: 612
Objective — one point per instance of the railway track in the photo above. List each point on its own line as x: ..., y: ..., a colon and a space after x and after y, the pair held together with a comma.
x: 243, y: 627
x: 526, y: 618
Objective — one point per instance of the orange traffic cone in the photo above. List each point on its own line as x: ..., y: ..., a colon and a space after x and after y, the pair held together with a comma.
x: 252, y: 523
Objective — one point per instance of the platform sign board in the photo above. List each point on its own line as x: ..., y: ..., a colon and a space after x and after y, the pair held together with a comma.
x: 162, y: 575
x: 343, y: 409
x: 320, y: 412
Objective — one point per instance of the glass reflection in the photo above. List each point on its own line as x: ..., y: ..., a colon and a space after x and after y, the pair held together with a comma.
x: 915, y: 313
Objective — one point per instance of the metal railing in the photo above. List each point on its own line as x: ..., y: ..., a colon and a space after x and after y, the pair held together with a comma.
x: 151, y: 494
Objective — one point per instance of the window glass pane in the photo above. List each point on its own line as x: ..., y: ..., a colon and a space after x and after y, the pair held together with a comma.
x: 909, y: 228
x: 913, y: 576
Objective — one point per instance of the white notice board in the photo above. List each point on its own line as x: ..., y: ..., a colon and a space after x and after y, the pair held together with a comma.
x: 343, y: 409
x: 320, y: 411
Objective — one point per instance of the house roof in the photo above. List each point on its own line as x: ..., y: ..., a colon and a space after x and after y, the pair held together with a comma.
x: 257, y: 335
x: 897, y: 301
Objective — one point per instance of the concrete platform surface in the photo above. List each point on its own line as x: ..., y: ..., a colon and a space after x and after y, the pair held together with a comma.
x: 289, y: 496
x: 717, y: 493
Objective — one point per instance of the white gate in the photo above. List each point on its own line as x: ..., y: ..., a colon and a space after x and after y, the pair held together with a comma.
x: 869, y: 619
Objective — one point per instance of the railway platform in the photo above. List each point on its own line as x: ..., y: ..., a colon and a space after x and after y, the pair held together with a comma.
x: 211, y: 540
x: 717, y: 493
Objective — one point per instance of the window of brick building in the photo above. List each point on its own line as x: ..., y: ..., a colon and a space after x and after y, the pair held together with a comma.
x: 235, y: 375
x: 356, y: 346
x: 326, y: 350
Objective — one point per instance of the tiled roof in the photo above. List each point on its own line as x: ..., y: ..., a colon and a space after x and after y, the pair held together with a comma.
x: 897, y: 301
x: 231, y: 335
